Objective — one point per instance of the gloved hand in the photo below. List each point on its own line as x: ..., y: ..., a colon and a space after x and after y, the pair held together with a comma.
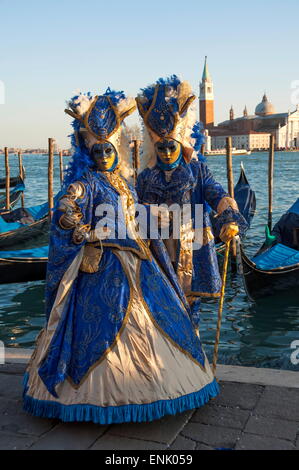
x: 228, y: 231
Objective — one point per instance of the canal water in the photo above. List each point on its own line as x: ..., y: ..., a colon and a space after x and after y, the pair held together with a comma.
x: 252, y: 334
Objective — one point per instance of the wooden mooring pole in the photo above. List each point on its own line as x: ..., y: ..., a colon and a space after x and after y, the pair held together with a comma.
x: 21, y: 175
x: 229, y: 167
x: 270, y: 180
x: 230, y: 186
x: 7, y: 185
x: 61, y: 166
x: 50, y: 175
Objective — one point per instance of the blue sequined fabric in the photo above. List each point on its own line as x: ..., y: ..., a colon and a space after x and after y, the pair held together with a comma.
x: 161, y: 118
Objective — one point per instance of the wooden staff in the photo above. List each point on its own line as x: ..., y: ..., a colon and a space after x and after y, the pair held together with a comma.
x: 230, y: 185
x: 270, y: 180
x: 7, y: 170
x: 50, y: 176
x: 61, y: 166
x: 21, y: 175
x: 220, y: 307
x: 136, y: 158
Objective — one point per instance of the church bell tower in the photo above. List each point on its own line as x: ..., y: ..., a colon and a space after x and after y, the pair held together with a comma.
x: 206, y: 98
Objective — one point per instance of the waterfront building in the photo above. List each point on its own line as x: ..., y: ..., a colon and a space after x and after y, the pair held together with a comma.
x: 249, y: 131
x: 250, y: 141
x: 206, y: 98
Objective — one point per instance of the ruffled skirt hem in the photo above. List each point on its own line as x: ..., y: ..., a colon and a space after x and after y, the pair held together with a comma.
x: 118, y: 414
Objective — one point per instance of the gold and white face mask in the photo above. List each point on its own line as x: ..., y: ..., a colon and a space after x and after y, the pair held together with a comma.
x: 168, y: 150
x: 104, y: 155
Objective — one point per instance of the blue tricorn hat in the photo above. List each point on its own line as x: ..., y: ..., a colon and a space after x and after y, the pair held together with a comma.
x: 101, y: 115
x: 164, y: 104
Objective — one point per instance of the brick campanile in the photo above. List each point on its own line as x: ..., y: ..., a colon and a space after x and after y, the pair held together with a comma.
x: 206, y: 99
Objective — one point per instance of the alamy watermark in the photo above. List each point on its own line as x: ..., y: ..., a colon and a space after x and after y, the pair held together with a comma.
x: 151, y: 222
x: 2, y: 92
x: 295, y: 354
x: 2, y: 353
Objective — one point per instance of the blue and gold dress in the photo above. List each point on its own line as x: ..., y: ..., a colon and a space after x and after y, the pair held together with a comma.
x: 118, y: 345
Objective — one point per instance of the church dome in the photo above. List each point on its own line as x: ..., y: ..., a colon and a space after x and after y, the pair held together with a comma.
x: 264, y: 108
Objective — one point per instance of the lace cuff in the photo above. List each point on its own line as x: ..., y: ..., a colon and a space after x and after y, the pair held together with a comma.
x: 230, y: 215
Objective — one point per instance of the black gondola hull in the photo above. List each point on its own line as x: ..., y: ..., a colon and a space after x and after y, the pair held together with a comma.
x: 14, y: 198
x: 36, y: 234
x: 14, y: 181
x: 25, y: 270
x: 263, y: 283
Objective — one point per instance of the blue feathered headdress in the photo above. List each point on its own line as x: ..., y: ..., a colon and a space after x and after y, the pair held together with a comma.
x: 165, y: 110
x: 98, y: 118
x: 102, y: 115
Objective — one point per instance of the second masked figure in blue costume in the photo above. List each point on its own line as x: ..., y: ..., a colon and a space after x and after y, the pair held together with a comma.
x: 175, y: 174
x: 118, y: 344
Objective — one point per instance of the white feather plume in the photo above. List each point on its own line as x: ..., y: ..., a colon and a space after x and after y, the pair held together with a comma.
x: 80, y: 104
x: 125, y: 104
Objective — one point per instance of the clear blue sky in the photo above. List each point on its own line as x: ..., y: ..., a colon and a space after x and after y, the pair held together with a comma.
x: 49, y: 49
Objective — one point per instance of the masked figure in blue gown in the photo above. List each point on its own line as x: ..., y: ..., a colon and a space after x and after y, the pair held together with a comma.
x: 175, y: 174
x: 118, y: 344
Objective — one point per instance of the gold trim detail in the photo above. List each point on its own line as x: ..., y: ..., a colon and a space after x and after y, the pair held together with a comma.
x: 146, y: 114
x: 187, y: 104
x: 73, y: 115
x: 203, y: 294
x: 207, y: 235
x: 140, y: 253
x: 128, y: 112
x: 36, y: 346
x: 139, y: 107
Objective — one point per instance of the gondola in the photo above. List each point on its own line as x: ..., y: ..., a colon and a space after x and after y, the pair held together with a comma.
x: 15, y: 195
x: 245, y: 197
x: 246, y: 200
x: 18, y: 235
x: 23, y: 265
x: 275, y: 267
x: 14, y: 181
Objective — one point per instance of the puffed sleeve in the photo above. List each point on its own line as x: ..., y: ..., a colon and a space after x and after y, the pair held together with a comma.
x: 71, y: 218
